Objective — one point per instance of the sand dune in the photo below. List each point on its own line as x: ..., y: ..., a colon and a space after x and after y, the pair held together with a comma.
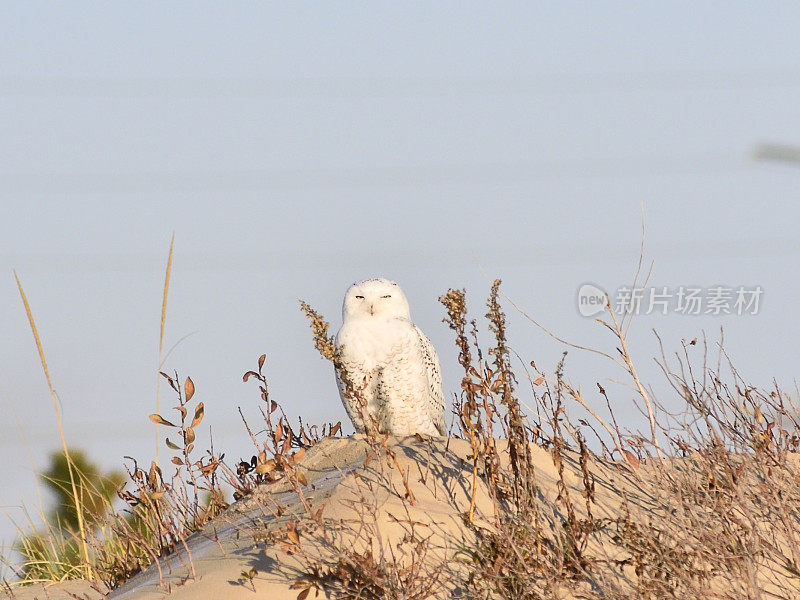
x: 359, y: 503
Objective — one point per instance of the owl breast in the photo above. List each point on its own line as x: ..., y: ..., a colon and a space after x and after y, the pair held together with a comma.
x: 394, y: 373
x: 370, y: 345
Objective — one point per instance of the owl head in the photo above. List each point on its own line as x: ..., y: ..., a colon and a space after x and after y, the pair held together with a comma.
x: 379, y: 299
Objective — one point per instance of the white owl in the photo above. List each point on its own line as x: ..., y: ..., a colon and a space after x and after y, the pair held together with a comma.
x: 389, y: 362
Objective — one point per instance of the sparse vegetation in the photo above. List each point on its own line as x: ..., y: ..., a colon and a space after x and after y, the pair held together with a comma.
x: 706, y: 504
x: 56, y: 551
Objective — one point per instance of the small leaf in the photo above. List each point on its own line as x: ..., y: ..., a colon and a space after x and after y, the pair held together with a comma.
x: 298, y: 455
x: 171, y: 381
x: 157, y: 495
x: 279, y: 432
x: 261, y: 360
x: 182, y: 409
x: 189, y: 448
x: 209, y: 468
x: 198, y: 415
x: 189, y: 436
x: 303, y: 594
x: 287, y: 443
x: 265, y: 467
x: 188, y: 389
x: 177, y: 461
x: 152, y: 475
x: 301, y: 478
x: 248, y: 375
x: 298, y: 584
x: 273, y: 406
x: 294, y: 536
x: 172, y: 446
x: 155, y: 418
x: 631, y: 458
x: 165, y: 376
x: 538, y: 381
x: 336, y: 428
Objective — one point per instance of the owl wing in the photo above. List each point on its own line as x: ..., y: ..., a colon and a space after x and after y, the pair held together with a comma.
x: 435, y: 398
x: 357, y: 376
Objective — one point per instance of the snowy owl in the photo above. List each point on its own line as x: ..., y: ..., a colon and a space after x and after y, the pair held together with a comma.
x: 389, y: 361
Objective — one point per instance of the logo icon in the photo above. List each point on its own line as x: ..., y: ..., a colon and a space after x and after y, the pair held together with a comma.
x: 592, y: 300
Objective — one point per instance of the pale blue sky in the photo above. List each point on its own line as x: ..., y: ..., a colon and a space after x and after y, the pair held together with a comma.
x: 294, y: 148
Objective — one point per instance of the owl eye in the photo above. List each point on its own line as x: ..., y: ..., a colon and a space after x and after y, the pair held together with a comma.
x: 387, y: 296
x: 359, y: 297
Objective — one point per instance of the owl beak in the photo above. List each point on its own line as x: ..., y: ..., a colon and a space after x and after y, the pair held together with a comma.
x: 372, y: 309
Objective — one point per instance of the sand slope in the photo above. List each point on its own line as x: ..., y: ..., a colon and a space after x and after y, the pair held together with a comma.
x: 364, y: 503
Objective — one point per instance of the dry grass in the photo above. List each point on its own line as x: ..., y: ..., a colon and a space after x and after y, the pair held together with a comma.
x: 164, y: 297
x: 705, y: 504
x: 74, y: 487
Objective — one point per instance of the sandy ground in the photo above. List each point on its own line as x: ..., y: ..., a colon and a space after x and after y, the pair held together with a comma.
x: 347, y: 489
x: 66, y: 590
